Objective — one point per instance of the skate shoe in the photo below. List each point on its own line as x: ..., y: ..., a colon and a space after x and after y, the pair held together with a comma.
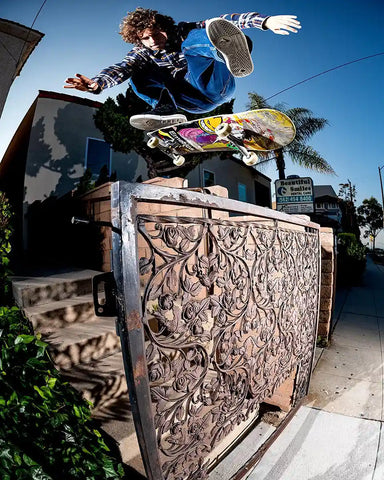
x: 232, y: 44
x: 160, y: 117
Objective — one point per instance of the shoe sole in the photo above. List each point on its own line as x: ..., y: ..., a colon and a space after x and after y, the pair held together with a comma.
x: 155, y: 122
x: 232, y: 44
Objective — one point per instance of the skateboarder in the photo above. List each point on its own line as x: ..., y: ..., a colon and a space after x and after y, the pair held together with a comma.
x: 189, y: 66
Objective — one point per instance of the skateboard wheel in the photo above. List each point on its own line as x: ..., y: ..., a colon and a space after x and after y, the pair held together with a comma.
x: 178, y: 160
x: 251, y: 159
x: 153, y: 142
x: 223, y: 130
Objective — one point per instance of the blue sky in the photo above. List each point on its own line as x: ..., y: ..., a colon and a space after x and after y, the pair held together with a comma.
x: 82, y: 36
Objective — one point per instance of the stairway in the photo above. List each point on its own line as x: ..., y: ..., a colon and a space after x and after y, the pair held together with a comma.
x: 85, y: 348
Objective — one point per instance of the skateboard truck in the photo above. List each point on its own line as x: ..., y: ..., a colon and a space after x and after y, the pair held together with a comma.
x: 224, y: 131
x: 178, y: 160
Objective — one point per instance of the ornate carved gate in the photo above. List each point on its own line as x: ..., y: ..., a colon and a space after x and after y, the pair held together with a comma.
x: 215, y: 313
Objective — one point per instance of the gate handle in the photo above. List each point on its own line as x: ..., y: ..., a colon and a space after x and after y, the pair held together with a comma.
x: 109, y: 307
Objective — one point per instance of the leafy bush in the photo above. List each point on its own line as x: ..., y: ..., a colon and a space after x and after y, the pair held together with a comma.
x: 86, y: 183
x: 46, y: 432
x: 5, y: 248
x: 45, y: 426
x: 351, y: 258
x: 322, y: 342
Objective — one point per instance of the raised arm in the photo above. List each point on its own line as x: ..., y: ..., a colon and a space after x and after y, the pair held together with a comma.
x: 108, y: 77
x: 279, y: 24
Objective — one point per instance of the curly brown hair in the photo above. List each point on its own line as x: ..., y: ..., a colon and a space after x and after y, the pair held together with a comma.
x: 140, y: 19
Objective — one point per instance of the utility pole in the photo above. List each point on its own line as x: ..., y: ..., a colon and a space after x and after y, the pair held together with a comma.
x: 351, y: 206
x: 350, y: 191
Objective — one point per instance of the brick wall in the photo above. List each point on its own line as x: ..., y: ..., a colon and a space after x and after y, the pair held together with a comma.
x: 328, y: 283
x: 97, y: 204
x: 98, y: 207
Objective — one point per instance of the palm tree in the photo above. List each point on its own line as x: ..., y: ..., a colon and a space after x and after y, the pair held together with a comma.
x: 306, y: 126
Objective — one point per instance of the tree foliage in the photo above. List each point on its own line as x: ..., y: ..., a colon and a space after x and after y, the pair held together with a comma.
x: 6, y: 229
x: 86, y: 182
x: 347, y: 192
x: 299, y: 152
x: 351, y: 259
x: 112, y: 118
x: 46, y: 432
x: 347, y: 197
x: 370, y: 217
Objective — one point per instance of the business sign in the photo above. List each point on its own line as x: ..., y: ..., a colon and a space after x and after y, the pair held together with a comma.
x: 295, y: 195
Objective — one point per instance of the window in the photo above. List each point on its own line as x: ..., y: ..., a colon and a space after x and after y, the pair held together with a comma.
x: 242, y: 192
x: 97, y: 155
x: 209, y: 178
x: 263, y: 195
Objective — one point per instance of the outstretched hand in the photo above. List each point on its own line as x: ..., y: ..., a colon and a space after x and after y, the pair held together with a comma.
x: 283, y: 24
x: 81, y: 82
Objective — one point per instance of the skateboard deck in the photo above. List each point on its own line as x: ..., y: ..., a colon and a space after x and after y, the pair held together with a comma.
x: 246, y: 133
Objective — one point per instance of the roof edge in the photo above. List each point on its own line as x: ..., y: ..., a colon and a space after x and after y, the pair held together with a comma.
x: 69, y: 98
x: 23, y: 28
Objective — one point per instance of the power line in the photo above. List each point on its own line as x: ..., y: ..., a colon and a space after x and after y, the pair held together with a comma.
x: 38, y: 13
x: 324, y: 72
x: 30, y: 29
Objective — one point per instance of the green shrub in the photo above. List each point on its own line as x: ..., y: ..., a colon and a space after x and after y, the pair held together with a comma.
x: 322, y: 342
x: 351, y: 258
x: 85, y: 183
x: 46, y: 431
x: 45, y: 426
x: 5, y: 248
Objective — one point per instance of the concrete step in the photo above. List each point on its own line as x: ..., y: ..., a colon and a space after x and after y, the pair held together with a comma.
x: 89, y: 356
x: 49, y: 317
x: 101, y: 381
x: 86, y: 349
x: 31, y: 290
x: 83, y: 342
x: 116, y: 420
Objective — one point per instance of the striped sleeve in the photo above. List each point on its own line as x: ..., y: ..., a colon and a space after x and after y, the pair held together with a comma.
x: 119, y: 72
x: 245, y: 20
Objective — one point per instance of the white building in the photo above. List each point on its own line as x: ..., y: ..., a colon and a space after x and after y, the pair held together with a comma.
x: 17, y: 42
x: 327, y: 204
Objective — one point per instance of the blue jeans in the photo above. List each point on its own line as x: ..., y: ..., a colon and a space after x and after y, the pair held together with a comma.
x: 207, y: 83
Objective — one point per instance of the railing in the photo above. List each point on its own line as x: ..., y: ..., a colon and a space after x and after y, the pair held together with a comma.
x: 216, y: 312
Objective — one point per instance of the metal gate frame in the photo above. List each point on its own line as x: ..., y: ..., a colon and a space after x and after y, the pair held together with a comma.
x: 125, y: 200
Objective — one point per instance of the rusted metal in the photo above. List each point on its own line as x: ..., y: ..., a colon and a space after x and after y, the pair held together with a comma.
x: 134, y: 321
x: 225, y: 310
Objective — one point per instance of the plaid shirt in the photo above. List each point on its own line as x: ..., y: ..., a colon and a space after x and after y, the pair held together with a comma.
x: 171, y: 58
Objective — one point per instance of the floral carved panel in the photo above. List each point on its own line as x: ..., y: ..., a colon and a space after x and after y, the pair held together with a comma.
x: 229, y: 311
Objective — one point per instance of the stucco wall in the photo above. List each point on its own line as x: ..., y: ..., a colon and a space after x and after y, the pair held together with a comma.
x: 55, y: 158
x: 57, y: 146
x: 229, y: 173
x: 17, y: 43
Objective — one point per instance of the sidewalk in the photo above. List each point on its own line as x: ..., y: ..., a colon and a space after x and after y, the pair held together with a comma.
x: 338, y: 432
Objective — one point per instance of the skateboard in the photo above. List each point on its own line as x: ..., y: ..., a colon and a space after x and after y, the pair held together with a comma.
x: 246, y: 133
